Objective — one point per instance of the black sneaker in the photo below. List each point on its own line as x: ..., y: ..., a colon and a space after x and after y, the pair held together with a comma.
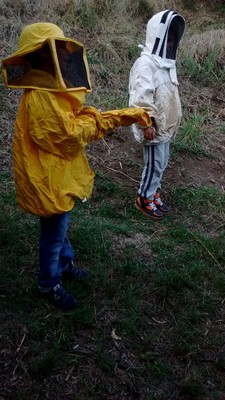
x: 160, y: 205
x: 71, y: 271
x: 148, y: 208
x: 59, y: 297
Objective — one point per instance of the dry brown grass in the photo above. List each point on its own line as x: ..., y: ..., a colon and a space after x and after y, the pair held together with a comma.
x: 201, y: 44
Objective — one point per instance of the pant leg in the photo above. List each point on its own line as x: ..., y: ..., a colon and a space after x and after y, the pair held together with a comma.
x: 54, y: 247
x: 66, y: 254
x: 155, y: 162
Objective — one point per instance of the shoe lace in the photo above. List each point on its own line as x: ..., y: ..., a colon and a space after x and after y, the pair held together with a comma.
x: 157, y: 200
x: 150, y: 204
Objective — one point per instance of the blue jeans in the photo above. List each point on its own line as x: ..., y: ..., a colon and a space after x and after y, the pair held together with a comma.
x: 55, y: 250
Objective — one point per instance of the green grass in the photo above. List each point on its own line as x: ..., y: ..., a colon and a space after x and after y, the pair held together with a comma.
x: 205, y: 72
x: 166, y: 307
x: 191, y: 137
x: 222, y: 127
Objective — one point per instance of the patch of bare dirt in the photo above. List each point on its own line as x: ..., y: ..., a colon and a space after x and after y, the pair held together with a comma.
x: 120, y: 156
x: 139, y: 240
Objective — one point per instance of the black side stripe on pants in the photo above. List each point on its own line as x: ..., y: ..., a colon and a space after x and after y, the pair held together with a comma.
x: 149, y: 169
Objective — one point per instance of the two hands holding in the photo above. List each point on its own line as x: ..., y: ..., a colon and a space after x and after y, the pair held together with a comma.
x: 149, y: 132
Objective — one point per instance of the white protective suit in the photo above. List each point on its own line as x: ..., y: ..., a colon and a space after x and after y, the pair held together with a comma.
x: 153, y: 80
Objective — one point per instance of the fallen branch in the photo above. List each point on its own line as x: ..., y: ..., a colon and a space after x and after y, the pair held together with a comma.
x: 119, y: 172
x: 111, y: 169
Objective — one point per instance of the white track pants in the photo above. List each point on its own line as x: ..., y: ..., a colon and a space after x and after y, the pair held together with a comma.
x: 155, y: 162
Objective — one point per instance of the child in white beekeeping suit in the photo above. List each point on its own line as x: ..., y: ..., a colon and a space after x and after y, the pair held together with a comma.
x: 53, y: 127
x: 153, y: 85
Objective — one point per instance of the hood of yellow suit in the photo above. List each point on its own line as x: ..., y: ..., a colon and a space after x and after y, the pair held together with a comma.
x: 39, y: 64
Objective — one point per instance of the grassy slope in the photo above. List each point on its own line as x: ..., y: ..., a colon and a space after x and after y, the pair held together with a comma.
x: 151, y: 321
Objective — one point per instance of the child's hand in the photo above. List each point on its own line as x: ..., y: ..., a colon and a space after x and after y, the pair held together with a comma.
x: 149, y: 133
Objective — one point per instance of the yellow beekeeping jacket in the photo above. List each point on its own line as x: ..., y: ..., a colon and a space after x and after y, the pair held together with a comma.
x: 53, y: 125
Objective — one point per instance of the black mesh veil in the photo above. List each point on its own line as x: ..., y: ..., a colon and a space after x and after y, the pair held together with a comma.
x: 73, y: 71
x: 57, y: 65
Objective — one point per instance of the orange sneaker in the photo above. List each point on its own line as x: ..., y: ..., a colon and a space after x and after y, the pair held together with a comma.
x: 160, y: 205
x: 149, y: 208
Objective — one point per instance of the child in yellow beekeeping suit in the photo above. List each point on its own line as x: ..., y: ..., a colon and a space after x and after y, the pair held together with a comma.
x: 53, y: 127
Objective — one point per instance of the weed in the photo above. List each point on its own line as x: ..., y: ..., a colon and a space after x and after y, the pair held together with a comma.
x: 188, y: 66
x: 205, y: 69
x: 222, y: 127
x: 190, y: 5
x: 221, y: 8
x: 190, y: 138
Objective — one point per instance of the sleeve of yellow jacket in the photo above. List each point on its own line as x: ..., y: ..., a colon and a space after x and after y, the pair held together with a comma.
x: 108, y: 120
x: 62, y: 132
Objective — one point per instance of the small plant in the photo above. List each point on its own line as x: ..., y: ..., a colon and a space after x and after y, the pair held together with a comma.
x: 222, y: 127
x: 189, y: 4
x: 206, y: 70
x: 221, y: 9
x: 188, y: 66
x: 191, y: 135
